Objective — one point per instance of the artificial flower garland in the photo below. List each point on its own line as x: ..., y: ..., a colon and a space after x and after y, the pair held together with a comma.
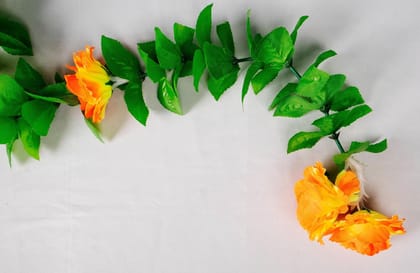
x: 28, y: 105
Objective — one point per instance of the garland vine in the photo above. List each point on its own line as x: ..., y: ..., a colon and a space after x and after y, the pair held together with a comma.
x: 28, y: 105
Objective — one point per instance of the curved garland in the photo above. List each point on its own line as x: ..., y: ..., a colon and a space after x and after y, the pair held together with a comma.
x: 28, y: 105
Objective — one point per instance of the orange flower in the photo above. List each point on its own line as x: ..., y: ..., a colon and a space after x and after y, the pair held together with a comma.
x: 367, y: 232
x: 348, y: 182
x: 89, y: 84
x: 319, y: 202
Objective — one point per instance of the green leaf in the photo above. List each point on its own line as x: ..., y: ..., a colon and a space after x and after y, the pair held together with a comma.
x: 311, y: 85
x: 252, y: 70
x: 283, y: 94
x: 323, y: 56
x: 57, y: 93
x: 198, y: 67
x: 299, y: 23
x: 347, y: 98
x: 203, y: 26
x: 218, y: 86
x: 294, y: 106
x: 168, y: 53
x: 249, y: 35
x: 219, y: 61
x: 264, y: 77
x: 120, y: 61
x: 12, y: 96
x: 183, y: 35
x: 39, y: 115
x: 226, y: 37
x: 356, y: 113
x: 186, y: 69
x: 168, y: 97
x: 303, y: 140
x: 149, y: 48
x: 332, y: 123
x: 28, y: 77
x: 334, y: 84
x: 14, y: 37
x: 133, y: 97
x: 9, y: 150
x: 8, y: 130
x: 340, y: 159
x: 153, y: 70
x: 276, y: 47
x: 94, y: 128
x: 30, y: 140
x: 378, y: 147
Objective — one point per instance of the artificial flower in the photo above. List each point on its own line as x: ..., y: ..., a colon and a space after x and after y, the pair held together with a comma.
x: 319, y: 202
x: 349, y: 184
x: 90, y: 84
x: 366, y: 232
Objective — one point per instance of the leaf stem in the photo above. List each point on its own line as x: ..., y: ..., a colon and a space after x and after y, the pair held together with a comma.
x: 294, y: 71
x: 241, y: 60
x: 337, y: 142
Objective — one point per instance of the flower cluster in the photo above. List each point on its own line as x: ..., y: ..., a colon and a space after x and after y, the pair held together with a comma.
x: 326, y: 208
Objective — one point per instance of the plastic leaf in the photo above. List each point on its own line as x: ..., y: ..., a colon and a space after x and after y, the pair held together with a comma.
x: 39, y: 115
x: 264, y: 77
x: 153, y: 70
x: 183, y: 35
x: 299, y: 23
x: 168, y: 97
x: 294, y: 106
x: 28, y: 77
x: 283, y: 94
x: 252, y: 70
x: 12, y: 96
x: 133, y: 97
x: 249, y: 38
x: 57, y: 93
x: 168, y: 53
x: 218, y: 86
x: 8, y: 130
x: 276, y: 47
x: 30, y: 140
x: 311, y: 85
x: 93, y: 127
x: 14, y: 37
x: 324, y: 56
x: 226, y: 38
x: 303, y: 140
x: 203, y: 26
x: 347, y: 98
x: 120, y: 61
x: 334, y: 84
x: 378, y: 147
x: 198, y: 67
x: 219, y: 61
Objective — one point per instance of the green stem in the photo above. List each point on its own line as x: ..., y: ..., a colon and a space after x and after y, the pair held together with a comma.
x: 295, y: 72
x: 338, y: 143
x: 241, y: 60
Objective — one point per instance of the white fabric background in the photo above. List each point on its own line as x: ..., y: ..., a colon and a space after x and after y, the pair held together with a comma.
x: 210, y: 191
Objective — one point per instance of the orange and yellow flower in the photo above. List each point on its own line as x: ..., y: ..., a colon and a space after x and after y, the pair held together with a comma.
x: 324, y: 208
x: 366, y: 232
x: 319, y: 202
x: 89, y: 84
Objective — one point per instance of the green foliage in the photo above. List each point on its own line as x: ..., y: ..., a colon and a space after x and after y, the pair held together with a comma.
x: 30, y: 140
x: 218, y: 86
x: 39, y: 115
x: 8, y: 130
x: 12, y: 96
x: 264, y: 77
x: 347, y: 98
x: 120, y: 61
x: 28, y: 77
x: 14, y: 37
x: 198, y: 67
x: 203, y: 26
x: 250, y: 73
x: 276, y: 48
x: 358, y: 147
x: 94, y: 129
x: 183, y: 35
x: 299, y: 23
x: 224, y: 32
x: 168, y: 53
x: 168, y: 97
x: 334, y: 84
x: 154, y: 71
x: 303, y: 140
x: 57, y: 93
x: 324, y: 56
x: 219, y: 61
x: 133, y: 97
